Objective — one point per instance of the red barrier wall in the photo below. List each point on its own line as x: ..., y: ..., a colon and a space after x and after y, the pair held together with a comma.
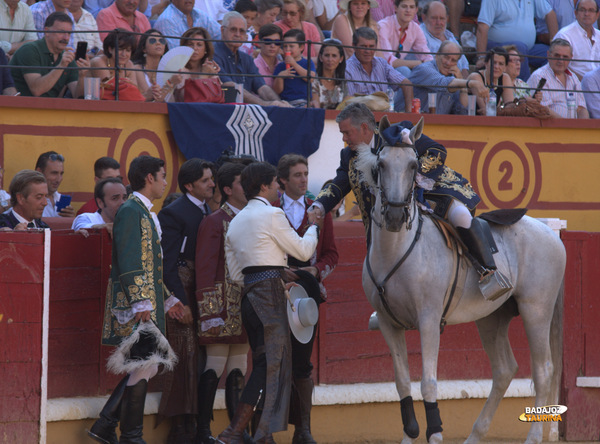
x: 581, y: 335
x: 21, y: 306
x: 345, y: 352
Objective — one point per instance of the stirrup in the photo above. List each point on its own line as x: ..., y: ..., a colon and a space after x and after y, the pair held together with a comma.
x: 494, y: 284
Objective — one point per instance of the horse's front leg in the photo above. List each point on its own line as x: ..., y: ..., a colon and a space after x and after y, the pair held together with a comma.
x: 429, y: 329
x: 396, y: 340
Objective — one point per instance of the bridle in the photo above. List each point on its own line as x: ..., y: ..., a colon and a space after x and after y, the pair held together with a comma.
x: 386, y: 203
x: 408, y: 220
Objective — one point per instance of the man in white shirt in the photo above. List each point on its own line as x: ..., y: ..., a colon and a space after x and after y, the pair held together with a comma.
x: 560, y: 81
x: 51, y: 165
x: 257, y: 243
x: 583, y: 37
x: 109, y: 194
x: 17, y: 21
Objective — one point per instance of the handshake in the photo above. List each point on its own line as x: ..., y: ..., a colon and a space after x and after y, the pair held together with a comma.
x: 316, y: 216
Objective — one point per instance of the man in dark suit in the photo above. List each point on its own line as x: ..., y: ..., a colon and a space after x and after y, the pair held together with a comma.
x: 28, y: 191
x: 179, y: 222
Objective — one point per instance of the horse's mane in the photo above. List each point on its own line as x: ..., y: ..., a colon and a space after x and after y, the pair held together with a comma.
x: 365, y: 162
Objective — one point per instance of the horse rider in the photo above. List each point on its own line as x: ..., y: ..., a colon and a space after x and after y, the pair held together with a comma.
x: 439, y: 189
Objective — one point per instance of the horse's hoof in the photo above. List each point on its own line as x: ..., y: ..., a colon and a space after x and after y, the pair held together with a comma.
x: 407, y: 439
x: 374, y: 322
x: 436, y: 438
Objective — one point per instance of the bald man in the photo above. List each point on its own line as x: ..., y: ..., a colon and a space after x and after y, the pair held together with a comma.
x: 443, y: 77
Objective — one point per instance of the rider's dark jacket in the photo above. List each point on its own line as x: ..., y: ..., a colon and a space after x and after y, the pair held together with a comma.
x: 444, y: 181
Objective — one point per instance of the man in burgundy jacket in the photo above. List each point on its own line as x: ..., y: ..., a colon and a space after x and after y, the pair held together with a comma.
x: 292, y: 174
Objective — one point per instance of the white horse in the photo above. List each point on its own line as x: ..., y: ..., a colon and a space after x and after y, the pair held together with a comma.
x: 530, y: 254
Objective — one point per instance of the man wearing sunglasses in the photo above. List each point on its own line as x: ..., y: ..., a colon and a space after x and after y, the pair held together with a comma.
x: 51, y: 165
x: 238, y: 67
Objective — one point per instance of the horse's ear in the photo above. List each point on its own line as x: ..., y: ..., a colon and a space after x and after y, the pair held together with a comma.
x: 417, y: 131
x: 384, y: 124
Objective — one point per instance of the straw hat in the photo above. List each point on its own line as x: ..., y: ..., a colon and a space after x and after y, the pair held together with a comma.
x: 343, y: 4
x: 305, y: 315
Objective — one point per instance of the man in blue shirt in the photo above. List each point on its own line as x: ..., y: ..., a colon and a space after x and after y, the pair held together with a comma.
x: 364, y: 68
x: 238, y: 67
x: 435, y: 19
x: 512, y: 22
x: 180, y: 16
x: 443, y: 77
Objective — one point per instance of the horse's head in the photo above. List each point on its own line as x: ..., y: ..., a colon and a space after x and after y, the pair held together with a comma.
x: 392, y: 171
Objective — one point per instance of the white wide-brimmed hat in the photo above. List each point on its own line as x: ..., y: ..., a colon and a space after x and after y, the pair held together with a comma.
x: 304, y: 316
x: 343, y: 4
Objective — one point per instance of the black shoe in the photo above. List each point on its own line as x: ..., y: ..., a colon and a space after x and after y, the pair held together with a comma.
x: 103, y: 430
x: 132, y: 413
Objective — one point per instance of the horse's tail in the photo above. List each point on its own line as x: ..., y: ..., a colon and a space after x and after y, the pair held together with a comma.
x: 556, y: 348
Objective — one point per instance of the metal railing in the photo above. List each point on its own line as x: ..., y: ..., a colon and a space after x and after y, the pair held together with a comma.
x: 308, y: 77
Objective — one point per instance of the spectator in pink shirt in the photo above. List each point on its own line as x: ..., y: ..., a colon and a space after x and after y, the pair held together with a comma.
x: 293, y: 13
x: 401, y: 33
x: 122, y: 14
x: 270, y: 37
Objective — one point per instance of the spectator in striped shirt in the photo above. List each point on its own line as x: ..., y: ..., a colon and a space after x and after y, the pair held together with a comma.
x: 558, y: 77
x: 363, y: 67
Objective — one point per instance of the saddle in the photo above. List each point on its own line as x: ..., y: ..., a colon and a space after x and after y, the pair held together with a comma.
x: 496, y: 217
x: 455, y: 243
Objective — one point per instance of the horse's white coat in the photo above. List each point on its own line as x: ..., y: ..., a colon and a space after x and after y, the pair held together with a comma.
x: 531, y: 255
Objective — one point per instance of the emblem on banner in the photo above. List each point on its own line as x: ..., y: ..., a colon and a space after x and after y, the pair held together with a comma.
x: 249, y: 124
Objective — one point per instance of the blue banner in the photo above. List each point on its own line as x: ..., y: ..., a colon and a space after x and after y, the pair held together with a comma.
x: 205, y: 130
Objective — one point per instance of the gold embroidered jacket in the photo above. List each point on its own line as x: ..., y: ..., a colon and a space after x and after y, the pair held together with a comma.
x: 136, y: 273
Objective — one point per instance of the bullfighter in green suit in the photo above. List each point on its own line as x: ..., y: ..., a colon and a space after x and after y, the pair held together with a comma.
x: 136, y: 303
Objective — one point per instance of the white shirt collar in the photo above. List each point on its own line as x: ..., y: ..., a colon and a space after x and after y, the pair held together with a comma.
x: 234, y: 209
x: 195, y: 201
x: 147, y: 202
x: 288, y: 201
x: 20, y: 218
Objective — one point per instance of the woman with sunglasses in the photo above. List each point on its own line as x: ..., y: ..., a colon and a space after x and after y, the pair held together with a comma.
x: 330, y: 88
x: 294, y: 17
x: 358, y: 15
x: 269, y: 42
x: 151, y: 47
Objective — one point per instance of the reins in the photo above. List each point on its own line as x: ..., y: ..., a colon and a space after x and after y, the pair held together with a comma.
x: 409, y: 220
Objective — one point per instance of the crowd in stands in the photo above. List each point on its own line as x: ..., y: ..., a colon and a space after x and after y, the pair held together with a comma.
x: 274, y: 48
